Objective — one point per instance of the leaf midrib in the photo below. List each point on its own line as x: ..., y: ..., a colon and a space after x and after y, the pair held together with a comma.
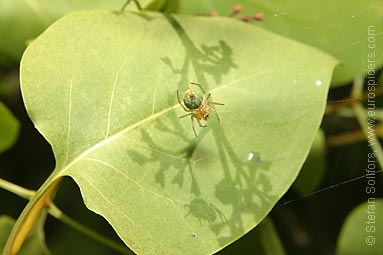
x: 149, y: 118
x: 113, y: 137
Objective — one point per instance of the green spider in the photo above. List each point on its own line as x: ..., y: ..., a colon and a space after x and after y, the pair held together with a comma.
x: 197, y: 105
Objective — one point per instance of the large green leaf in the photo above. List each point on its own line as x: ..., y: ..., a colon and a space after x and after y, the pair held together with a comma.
x: 35, y: 243
x: 101, y: 87
x: 349, y: 30
x: 362, y: 231
x: 9, y: 128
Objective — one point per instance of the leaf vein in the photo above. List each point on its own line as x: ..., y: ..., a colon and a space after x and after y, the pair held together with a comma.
x: 129, y: 178
x: 112, y: 95
x: 69, y: 119
x: 156, y: 151
x: 88, y: 179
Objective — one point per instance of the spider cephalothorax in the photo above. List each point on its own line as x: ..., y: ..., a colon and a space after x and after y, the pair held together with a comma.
x: 197, y: 104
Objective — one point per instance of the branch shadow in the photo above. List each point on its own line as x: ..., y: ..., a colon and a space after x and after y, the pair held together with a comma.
x: 216, y: 60
x: 245, y: 187
x: 169, y: 127
x: 245, y: 190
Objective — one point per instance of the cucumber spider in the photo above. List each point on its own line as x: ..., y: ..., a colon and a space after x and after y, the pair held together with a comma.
x: 197, y: 105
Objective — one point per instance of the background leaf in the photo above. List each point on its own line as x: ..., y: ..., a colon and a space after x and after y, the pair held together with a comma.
x: 30, y: 18
x: 262, y: 240
x: 340, y: 28
x: 9, y: 128
x: 34, y: 244
x: 363, y: 223
x: 313, y: 169
x: 101, y: 87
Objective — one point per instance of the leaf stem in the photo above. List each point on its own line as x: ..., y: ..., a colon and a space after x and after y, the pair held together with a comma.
x: 333, y: 107
x: 371, y: 136
x: 367, y: 123
x: 18, y: 190
x: 352, y: 137
x: 30, y: 214
x: 58, y: 214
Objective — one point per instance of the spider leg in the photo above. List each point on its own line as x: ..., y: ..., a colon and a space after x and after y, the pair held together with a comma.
x: 199, y: 85
x: 128, y: 2
x: 179, y: 101
x: 199, y: 123
x: 203, y: 103
x: 183, y: 116
x: 215, y: 112
x: 212, y: 102
x: 193, y: 127
x: 204, y: 100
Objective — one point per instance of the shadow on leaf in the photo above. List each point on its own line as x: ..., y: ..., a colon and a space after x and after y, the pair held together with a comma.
x: 244, y: 188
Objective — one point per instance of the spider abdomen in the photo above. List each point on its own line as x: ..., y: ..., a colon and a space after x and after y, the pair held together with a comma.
x: 192, y: 99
